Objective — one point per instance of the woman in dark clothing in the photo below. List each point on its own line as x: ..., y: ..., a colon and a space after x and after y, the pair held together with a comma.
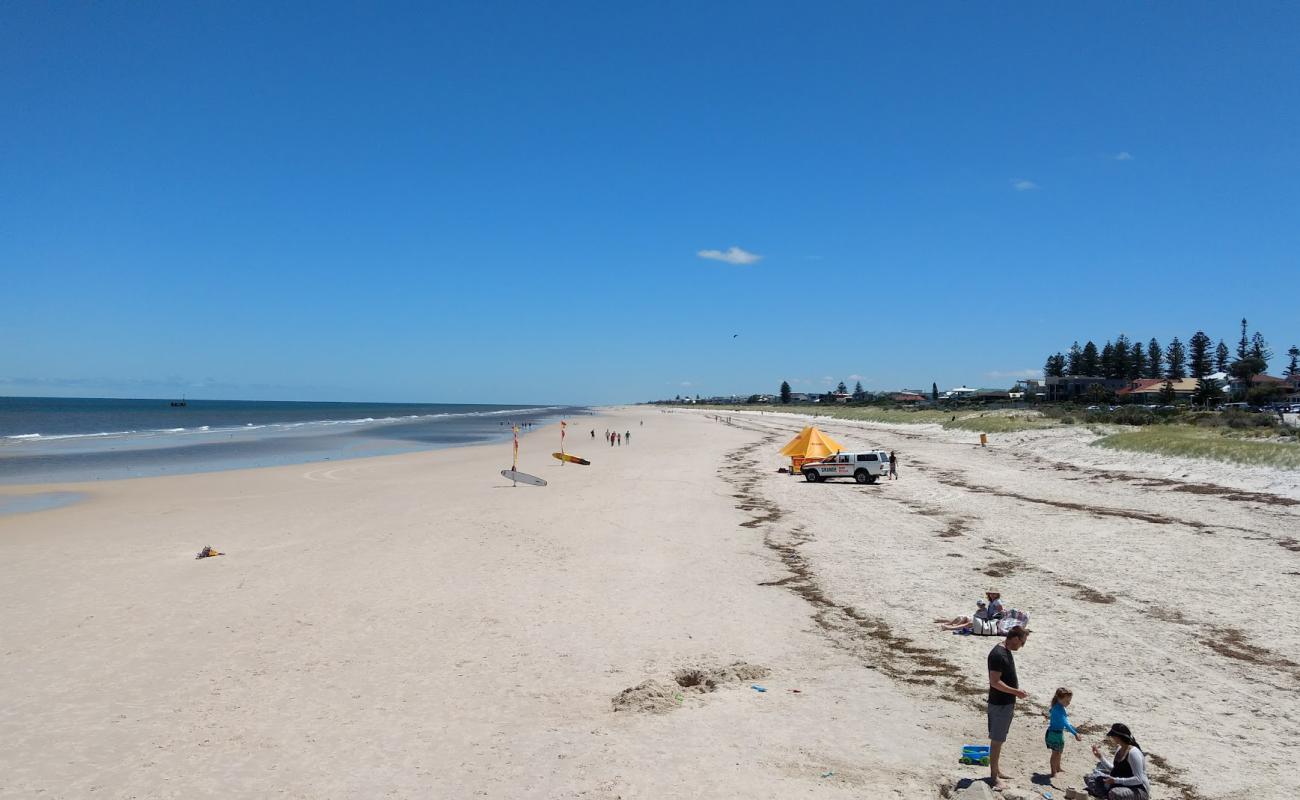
x: 1128, y: 768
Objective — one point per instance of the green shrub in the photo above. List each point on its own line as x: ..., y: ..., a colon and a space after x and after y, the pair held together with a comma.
x: 1133, y: 415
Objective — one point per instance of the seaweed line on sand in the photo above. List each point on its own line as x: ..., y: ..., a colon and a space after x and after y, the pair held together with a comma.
x: 870, y: 639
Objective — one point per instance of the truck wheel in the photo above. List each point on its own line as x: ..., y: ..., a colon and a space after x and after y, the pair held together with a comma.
x: 871, y: 479
x: 861, y: 476
x: 811, y: 476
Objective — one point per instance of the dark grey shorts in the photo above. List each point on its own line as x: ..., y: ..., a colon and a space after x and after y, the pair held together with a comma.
x: 1000, y: 721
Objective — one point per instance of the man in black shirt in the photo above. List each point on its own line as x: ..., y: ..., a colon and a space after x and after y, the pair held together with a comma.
x: 1004, y: 688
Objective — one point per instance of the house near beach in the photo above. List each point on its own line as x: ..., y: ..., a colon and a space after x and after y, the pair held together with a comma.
x: 1151, y: 390
x: 1065, y: 388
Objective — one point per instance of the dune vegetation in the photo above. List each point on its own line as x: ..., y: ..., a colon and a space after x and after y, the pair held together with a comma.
x: 1207, y: 443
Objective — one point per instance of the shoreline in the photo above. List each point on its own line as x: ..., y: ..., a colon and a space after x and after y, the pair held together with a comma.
x: 94, y: 458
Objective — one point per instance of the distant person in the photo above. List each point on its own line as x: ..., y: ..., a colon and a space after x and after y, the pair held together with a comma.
x: 611, y: 440
x: 593, y: 434
x: 619, y: 438
x: 893, y: 466
x: 628, y: 437
x: 1128, y: 767
x: 1057, y: 724
x: 1004, y: 690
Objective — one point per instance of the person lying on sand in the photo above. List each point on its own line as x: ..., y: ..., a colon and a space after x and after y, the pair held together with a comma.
x: 958, y: 623
x: 208, y: 552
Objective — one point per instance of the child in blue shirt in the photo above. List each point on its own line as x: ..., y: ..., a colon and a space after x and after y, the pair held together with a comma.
x: 1057, y: 724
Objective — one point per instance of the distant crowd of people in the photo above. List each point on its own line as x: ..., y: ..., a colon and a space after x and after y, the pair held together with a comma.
x: 615, y: 438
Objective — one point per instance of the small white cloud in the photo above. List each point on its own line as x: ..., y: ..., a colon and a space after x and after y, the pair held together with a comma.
x: 1123, y: 155
x: 1022, y: 185
x: 857, y: 377
x: 686, y: 383
x: 732, y: 255
x: 827, y: 379
x: 1015, y: 373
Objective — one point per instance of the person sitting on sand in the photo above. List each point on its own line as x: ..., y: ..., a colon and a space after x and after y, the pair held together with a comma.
x: 1128, y: 768
x: 995, y: 604
x: 959, y: 623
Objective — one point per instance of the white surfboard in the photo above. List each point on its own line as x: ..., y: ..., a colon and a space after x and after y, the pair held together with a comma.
x: 522, y: 477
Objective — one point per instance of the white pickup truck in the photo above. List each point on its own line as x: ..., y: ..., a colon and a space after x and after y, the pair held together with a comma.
x: 861, y: 467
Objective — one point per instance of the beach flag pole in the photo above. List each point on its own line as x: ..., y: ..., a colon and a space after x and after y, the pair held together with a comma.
x: 514, y: 462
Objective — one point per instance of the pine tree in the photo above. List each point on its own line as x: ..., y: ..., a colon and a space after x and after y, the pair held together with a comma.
x: 1155, y: 357
x: 1108, y: 360
x: 1293, y: 369
x: 1090, y: 362
x: 1055, y: 366
x: 934, y: 392
x: 1259, y: 350
x: 1199, y: 361
x: 1175, y: 361
x: 858, y: 394
x: 842, y: 389
x: 1221, y: 357
x: 1137, y: 363
x: 785, y: 392
x: 1243, y: 346
x: 1123, y: 357
x: 1208, y: 392
x: 1167, y: 394
x: 1073, y: 362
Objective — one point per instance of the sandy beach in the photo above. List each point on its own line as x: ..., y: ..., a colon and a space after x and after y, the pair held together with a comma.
x: 413, y: 626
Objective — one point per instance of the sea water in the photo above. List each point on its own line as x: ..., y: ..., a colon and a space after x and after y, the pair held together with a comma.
x: 47, y: 439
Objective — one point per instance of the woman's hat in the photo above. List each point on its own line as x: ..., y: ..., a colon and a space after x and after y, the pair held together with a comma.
x: 994, y: 592
x: 1120, y: 731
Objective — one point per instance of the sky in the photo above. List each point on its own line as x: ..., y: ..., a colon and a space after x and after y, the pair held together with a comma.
x: 611, y: 202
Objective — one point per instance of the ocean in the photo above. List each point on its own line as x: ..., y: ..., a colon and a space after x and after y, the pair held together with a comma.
x: 57, y: 439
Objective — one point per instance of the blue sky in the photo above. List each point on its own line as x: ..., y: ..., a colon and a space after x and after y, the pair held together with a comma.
x: 507, y: 202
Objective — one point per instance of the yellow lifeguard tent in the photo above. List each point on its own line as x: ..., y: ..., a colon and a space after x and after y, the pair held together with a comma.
x: 809, y: 445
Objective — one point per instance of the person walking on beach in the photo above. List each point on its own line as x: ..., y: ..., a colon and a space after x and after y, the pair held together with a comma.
x: 893, y: 466
x: 593, y: 434
x: 1004, y: 689
x: 627, y: 437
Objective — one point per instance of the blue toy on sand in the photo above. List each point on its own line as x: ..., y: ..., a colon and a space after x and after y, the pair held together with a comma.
x: 975, y: 754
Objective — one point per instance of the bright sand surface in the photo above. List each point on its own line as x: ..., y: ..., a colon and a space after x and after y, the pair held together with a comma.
x: 412, y: 626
